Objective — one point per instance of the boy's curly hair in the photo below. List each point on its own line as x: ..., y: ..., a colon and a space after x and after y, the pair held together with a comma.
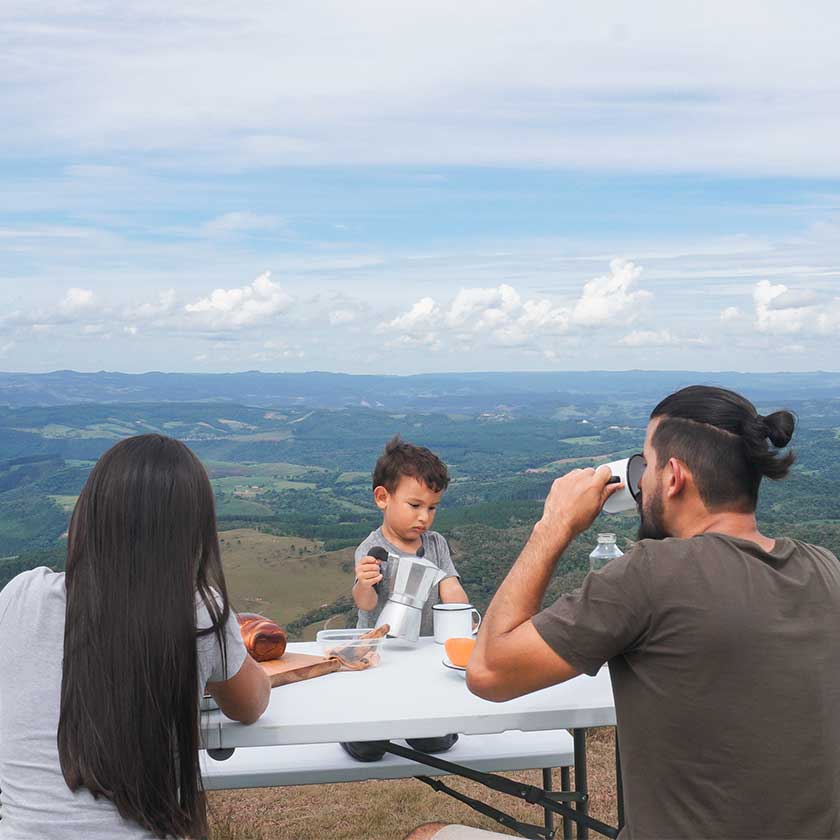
x: 401, y: 458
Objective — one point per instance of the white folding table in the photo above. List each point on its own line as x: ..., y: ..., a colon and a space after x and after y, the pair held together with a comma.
x: 411, y: 694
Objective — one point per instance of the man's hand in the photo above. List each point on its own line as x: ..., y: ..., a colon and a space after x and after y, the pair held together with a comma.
x: 368, y: 572
x: 575, y: 500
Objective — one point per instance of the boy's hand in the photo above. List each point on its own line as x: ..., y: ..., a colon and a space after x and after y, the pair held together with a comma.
x: 367, y: 571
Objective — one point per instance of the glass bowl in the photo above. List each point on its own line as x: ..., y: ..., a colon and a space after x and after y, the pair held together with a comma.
x: 353, y: 650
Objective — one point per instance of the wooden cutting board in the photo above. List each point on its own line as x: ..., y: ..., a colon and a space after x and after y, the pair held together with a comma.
x: 295, y: 667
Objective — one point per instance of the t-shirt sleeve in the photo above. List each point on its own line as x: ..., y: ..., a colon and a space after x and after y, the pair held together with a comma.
x: 12, y: 591
x: 444, y: 557
x: 609, y: 615
x: 7, y: 595
x: 209, y: 650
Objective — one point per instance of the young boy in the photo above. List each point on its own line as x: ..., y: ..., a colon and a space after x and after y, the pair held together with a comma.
x: 408, y: 482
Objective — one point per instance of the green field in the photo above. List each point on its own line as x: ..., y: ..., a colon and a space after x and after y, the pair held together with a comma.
x: 66, y: 503
x: 282, y: 577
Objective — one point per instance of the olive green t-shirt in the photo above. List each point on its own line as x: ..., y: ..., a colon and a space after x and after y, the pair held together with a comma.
x: 725, y: 666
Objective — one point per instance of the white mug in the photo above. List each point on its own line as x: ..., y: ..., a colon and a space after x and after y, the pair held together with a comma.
x: 455, y: 621
x: 629, y: 470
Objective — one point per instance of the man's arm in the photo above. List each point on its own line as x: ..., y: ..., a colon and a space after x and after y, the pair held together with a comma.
x: 510, y: 657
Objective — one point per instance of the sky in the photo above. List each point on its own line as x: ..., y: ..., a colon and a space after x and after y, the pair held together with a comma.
x: 379, y: 187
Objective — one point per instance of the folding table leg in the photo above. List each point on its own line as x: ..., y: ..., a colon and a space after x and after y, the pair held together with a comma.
x: 548, y: 784
x: 619, y: 785
x: 566, y: 785
x: 579, y: 737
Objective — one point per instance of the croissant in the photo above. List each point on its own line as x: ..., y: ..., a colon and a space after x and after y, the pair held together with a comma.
x: 263, y: 638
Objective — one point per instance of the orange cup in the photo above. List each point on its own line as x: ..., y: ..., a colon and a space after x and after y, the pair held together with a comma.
x: 459, y: 650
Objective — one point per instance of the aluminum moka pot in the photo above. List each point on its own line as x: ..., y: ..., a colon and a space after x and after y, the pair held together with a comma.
x: 409, y: 582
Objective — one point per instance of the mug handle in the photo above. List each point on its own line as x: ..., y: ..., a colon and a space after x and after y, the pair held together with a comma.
x: 478, y: 616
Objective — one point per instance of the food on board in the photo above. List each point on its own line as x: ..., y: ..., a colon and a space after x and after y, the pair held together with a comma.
x: 263, y: 638
x: 459, y: 650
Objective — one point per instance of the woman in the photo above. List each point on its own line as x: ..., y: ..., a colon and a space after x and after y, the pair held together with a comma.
x: 101, y: 668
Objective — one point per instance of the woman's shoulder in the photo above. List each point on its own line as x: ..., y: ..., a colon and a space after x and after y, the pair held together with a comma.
x: 34, y: 583
x: 34, y: 579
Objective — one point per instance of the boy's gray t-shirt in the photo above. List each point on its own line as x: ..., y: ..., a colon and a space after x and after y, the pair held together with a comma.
x: 36, y: 801
x: 436, y: 551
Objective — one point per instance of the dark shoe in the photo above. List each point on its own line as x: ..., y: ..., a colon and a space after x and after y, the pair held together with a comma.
x: 433, y: 745
x: 365, y: 750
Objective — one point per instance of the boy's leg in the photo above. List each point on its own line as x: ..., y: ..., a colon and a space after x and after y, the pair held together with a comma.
x: 433, y: 745
x: 365, y: 750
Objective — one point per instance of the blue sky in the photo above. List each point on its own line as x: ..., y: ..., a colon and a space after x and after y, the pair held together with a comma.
x: 397, y: 188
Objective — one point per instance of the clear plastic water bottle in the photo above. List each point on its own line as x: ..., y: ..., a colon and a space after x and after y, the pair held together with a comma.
x: 605, y: 551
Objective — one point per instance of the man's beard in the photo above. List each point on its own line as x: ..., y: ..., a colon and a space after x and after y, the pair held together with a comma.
x: 652, y: 524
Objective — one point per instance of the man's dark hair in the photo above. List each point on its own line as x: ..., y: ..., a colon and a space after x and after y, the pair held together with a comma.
x: 728, y: 446
x: 402, y: 458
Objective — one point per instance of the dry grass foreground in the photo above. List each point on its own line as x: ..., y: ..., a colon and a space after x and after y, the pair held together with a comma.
x: 388, y: 810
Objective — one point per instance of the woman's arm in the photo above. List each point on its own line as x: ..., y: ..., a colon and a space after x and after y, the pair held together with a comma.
x: 243, y: 697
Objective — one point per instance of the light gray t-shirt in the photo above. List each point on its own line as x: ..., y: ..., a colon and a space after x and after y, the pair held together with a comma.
x: 37, y: 804
x: 436, y: 551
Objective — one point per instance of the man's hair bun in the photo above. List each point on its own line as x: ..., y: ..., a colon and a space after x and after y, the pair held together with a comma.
x: 780, y: 426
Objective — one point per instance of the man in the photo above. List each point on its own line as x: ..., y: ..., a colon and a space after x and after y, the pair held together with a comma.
x: 722, y: 643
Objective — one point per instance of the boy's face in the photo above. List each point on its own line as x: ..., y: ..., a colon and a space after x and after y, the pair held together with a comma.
x: 410, y: 509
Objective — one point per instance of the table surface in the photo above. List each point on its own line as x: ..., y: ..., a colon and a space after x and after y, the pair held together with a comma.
x: 409, y: 694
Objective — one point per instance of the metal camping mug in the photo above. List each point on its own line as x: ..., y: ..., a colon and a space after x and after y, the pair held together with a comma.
x: 629, y: 472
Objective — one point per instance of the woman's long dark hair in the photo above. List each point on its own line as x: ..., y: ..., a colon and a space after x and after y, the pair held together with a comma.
x: 142, y: 543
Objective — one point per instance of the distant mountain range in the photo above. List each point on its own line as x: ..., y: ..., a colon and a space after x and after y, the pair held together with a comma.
x: 534, y: 393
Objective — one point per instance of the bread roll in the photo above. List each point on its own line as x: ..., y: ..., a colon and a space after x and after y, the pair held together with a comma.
x: 263, y: 638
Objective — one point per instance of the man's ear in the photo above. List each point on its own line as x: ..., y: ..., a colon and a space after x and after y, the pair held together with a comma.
x: 381, y: 496
x: 676, y: 477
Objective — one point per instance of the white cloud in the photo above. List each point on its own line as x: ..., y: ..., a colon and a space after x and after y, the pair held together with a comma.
x: 649, y: 338
x: 611, y: 298
x: 479, y: 309
x: 235, y: 308
x: 768, y: 319
x: 499, y: 315
x: 342, y: 316
x: 77, y: 300
x: 273, y: 351
x: 6, y: 348
x: 245, y: 84
x: 731, y: 313
x: 420, y: 325
x: 792, y: 299
x: 166, y: 304
x: 782, y: 311
x: 241, y: 222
